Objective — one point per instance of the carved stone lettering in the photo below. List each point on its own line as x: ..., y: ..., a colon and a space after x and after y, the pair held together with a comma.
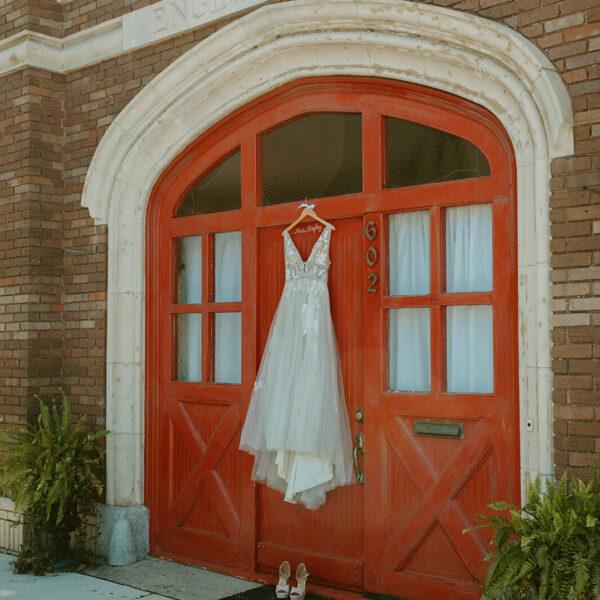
x: 179, y: 11
x: 170, y: 17
x: 160, y: 18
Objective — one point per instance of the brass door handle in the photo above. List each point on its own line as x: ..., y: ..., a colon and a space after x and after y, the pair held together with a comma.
x: 359, y: 448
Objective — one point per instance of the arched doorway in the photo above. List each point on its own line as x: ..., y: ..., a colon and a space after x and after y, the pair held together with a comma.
x: 420, y: 187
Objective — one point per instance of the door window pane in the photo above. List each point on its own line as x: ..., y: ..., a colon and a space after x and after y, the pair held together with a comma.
x: 313, y: 156
x: 417, y: 154
x: 228, y: 266
x: 218, y: 190
x: 409, y: 363
x: 189, y: 270
x: 409, y: 253
x: 189, y: 347
x: 469, y: 248
x: 469, y: 349
x: 228, y: 347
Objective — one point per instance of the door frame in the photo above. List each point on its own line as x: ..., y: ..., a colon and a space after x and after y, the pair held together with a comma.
x: 375, y: 98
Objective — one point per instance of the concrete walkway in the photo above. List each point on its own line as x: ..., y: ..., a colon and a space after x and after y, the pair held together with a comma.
x: 174, y: 580
x: 150, y: 579
x: 64, y: 586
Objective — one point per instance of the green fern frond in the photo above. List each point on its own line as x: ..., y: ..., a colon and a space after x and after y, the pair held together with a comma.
x: 549, y: 549
x: 53, y: 471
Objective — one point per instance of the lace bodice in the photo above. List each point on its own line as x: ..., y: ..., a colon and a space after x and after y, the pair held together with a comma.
x: 316, y: 266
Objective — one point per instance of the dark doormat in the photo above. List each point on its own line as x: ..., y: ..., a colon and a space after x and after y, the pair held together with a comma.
x: 265, y: 592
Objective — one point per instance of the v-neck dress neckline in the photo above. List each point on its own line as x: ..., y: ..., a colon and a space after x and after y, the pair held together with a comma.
x: 319, y: 239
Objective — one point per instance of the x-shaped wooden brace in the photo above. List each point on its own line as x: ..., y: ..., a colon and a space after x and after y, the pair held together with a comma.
x: 438, y: 490
x: 204, y: 473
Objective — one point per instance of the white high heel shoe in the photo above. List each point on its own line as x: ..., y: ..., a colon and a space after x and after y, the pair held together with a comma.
x: 283, y: 589
x: 299, y: 592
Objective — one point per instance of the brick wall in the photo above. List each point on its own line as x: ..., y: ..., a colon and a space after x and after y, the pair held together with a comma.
x: 14, y: 152
x: 31, y: 225
x: 43, y: 327
x: 59, y: 19
x: 43, y: 16
x: 568, y: 31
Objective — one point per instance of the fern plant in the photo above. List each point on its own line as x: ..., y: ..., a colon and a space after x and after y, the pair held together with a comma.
x: 550, y: 548
x: 53, y: 471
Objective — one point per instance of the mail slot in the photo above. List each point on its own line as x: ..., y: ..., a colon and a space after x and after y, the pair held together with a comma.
x: 438, y: 429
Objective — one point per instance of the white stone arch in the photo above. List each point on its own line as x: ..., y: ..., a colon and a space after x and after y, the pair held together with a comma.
x: 469, y: 56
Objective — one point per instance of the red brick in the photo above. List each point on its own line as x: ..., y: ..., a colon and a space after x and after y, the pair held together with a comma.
x: 572, y: 351
x: 574, y: 382
x: 584, y: 428
x: 581, y: 32
x: 577, y: 413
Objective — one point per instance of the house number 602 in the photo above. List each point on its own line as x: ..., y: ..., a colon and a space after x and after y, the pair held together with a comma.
x: 371, y: 257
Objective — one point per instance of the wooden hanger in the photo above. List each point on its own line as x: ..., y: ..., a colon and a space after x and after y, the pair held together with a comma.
x: 307, y: 212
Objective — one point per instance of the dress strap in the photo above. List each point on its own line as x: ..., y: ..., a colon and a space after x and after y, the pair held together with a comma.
x: 321, y: 249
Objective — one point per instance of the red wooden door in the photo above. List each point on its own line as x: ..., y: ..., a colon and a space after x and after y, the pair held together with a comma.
x: 197, y: 485
x: 330, y: 539
x: 424, y: 489
x: 213, y: 213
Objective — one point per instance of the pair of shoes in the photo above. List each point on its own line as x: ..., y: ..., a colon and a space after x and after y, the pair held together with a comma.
x: 283, y: 589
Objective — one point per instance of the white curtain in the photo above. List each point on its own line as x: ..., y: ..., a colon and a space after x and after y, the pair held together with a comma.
x: 469, y: 349
x: 189, y: 325
x: 409, y: 363
x: 228, y: 334
x: 469, y: 329
x: 228, y: 288
x: 409, y: 253
x: 189, y: 285
x: 228, y: 267
x: 469, y: 248
x: 189, y: 347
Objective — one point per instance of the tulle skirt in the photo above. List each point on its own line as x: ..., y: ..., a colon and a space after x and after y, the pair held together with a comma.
x: 297, y: 423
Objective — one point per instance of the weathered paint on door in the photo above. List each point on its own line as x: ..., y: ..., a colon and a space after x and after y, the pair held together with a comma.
x: 401, y: 532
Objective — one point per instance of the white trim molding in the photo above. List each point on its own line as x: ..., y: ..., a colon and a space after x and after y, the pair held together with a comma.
x: 133, y: 30
x: 61, y: 55
x: 474, y: 58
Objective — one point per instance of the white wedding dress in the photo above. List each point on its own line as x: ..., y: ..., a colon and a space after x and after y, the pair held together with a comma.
x: 297, y: 423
